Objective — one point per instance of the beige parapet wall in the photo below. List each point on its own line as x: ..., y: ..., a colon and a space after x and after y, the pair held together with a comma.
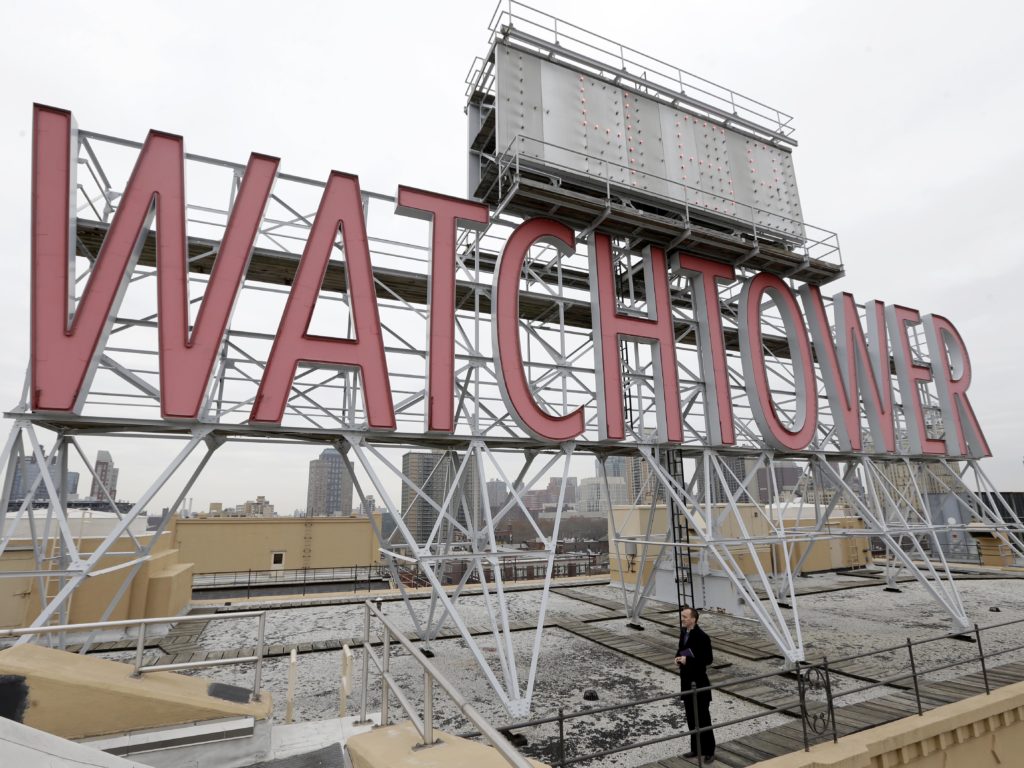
x: 162, y: 586
x: 980, y: 732
x: 77, y: 696
x: 826, y: 554
x: 397, y: 746
x: 225, y: 544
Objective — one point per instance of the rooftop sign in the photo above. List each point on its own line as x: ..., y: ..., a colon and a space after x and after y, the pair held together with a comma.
x: 851, y: 356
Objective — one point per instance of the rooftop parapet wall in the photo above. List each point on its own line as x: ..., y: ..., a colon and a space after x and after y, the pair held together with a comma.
x: 79, y: 697
x: 981, y: 732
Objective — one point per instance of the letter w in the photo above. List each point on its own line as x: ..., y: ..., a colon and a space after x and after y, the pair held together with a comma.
x: 65, y: 354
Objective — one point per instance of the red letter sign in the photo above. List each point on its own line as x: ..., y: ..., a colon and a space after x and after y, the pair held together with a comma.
x: 952, y: 369
x: 341, y: 205
x: 850, y: 375
x: 64, y: 359
x: 444, y: 213
x: 755, y: 372
x: 609, y: 325
x: 508, y: 353
x: 704, y: 276
x: 909, y: 374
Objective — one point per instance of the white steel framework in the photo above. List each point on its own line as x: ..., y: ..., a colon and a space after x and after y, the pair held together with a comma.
x: 702, y: 485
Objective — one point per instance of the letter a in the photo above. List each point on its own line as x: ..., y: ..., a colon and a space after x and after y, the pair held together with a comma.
x: 341, y: 205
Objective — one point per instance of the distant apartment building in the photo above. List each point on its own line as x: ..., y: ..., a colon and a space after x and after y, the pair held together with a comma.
x: 434, y: 472
x: 26, y: 475
x: 258, y: 508
x: 329, y: 491
x: 591, y: 500
x: 497, y: 494
x: 106, y: 477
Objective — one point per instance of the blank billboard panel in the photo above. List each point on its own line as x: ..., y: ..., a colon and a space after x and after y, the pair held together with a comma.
x: 585, y: 125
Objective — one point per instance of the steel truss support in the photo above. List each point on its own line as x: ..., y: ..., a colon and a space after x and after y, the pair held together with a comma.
x: 888, y: 495
x: 463, y: 534
x: 646, y: 553
x: 60, y: 565
x: 725, y: 540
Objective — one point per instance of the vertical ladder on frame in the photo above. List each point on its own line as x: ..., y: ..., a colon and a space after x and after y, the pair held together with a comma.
x: 683, y: 555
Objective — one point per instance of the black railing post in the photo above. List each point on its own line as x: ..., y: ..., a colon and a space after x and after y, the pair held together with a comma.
x: 561, y: 736
x: 802, y: 693
x: 828, y: 698
x: 913, y: 674
x: 696, y: 721
x: 981, y: 656
x: 248, y: 585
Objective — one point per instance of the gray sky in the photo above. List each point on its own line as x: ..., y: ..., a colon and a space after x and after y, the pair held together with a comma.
x: 905, y: 114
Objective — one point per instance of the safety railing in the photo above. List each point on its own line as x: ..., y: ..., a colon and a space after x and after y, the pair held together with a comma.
x: 388, y: 686
x: 535, y: 155
x: 361, y: 577
x: 546, y: 33
x: 139, y: 668
x: 814, y: 698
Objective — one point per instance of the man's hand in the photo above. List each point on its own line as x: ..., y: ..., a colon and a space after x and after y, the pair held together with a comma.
x: 680, y: 659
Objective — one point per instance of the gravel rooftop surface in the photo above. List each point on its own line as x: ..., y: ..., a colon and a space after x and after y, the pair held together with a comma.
x: 853, y: 622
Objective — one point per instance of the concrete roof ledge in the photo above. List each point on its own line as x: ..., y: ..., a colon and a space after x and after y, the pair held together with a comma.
x: 982, y: 732
x: 78, y: 696
x: 394, y: 747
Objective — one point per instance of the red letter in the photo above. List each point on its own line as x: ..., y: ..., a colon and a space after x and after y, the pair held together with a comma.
x: 609, y: 325
x: 952, y: 369
x: 851, y: 372
x: 509, y: 357
x: 341, y: 205
x: 755, y: 372
x: 909, y: 374
x: 444, y: 213
x: 64, y: 359
x: 186, y: 363
x: 707, y: 310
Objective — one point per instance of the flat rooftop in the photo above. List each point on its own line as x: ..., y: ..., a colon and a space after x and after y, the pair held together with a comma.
x: 588, y: 647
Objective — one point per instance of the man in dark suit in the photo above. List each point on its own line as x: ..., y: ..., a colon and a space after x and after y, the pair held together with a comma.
x: 693, y: 657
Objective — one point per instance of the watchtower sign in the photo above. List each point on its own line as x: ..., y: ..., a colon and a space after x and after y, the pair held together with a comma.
x: 852, y: 362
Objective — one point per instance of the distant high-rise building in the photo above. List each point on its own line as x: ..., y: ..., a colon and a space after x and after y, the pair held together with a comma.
x: 635, y: 472
x: 497, y: 494
x: 368, y: 505
x: 786, y: 481
x: 106, y: 473
x: 434, y: 473
x: 25, y: 474
x: 591, y: 500
x: 330, y: 486
x: 614, y: 466
x: 734, y: 472
x: 555, y: 486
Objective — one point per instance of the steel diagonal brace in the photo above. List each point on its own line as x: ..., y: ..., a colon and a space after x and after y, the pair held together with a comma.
x: 766, y: 582
x: 822, y: 522
x: 878, y: 527
x: 986, y: 512
x: 924, y: 528
x: 89, y: 564
x: 567, y: 449
x: 213, y: 442
x: 779, y: 634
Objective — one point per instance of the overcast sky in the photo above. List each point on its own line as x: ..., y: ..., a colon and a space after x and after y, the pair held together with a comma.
x: 906, y: 114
